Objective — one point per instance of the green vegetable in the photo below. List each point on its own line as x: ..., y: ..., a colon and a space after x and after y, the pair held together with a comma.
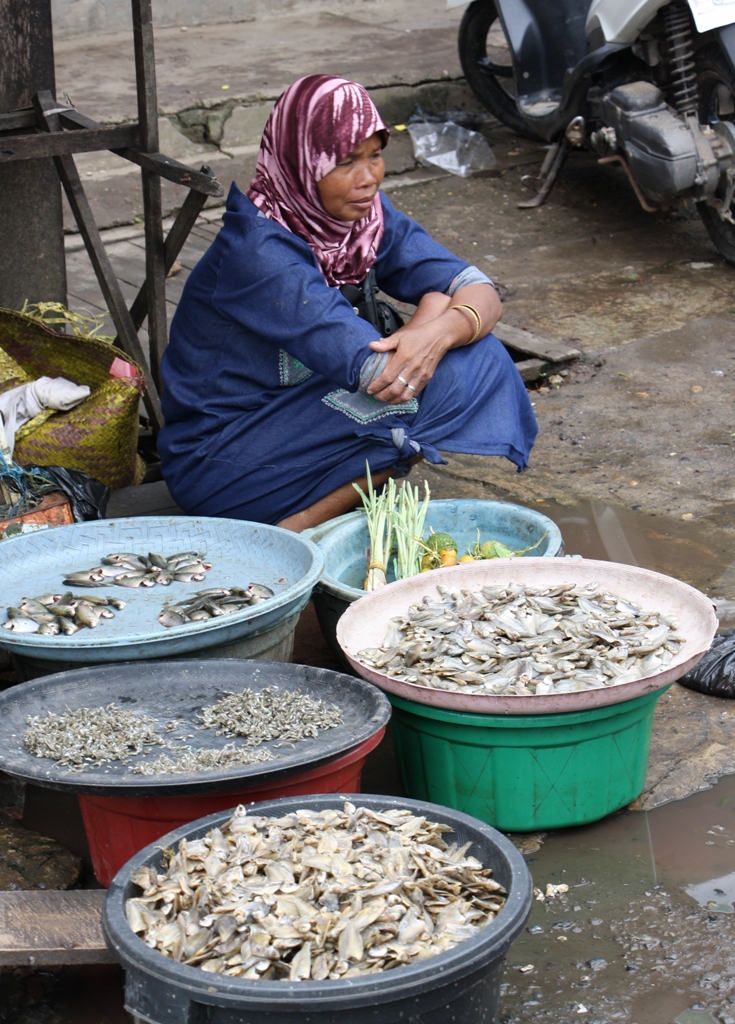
x: 438, y: 541
x: 494, y: 549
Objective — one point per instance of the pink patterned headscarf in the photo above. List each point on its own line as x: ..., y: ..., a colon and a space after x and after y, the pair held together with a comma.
x: 315, y: 123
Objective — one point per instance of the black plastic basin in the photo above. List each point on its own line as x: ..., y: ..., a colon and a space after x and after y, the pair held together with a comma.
x: 457, y: 987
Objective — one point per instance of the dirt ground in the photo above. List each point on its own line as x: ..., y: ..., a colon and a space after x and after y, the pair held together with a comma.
x: 644, y: 419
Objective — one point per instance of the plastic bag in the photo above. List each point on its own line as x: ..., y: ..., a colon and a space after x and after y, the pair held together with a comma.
x: 451, y: 147
x: 715, y: 673
x: 88, y: 497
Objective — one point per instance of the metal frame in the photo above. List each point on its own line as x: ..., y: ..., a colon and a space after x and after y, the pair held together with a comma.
x: 59, y: 131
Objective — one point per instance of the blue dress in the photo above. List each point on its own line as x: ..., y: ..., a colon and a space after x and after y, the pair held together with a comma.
x: 261, y: 405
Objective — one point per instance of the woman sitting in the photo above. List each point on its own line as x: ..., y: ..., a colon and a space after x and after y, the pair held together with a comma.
x: 276, y: 393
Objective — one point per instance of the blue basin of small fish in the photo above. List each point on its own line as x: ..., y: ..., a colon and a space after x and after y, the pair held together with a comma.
x: 240, y: 553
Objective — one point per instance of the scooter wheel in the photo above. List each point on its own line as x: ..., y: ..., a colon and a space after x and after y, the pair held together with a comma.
x: 716, y: 86
x: 487, y: 64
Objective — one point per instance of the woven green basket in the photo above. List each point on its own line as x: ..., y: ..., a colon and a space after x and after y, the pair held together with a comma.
x: 99, y: 436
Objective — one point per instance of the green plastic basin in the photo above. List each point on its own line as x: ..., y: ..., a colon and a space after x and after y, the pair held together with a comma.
x: 525, y: 772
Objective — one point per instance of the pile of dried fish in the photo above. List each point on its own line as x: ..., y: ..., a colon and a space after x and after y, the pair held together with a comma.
x: 51, y: 614
x: 522, y: 640
x: 330, y: 894
x: 207, y: 604
x: 269, y: 714
x: 185, y: 760
x: 126, y: 569
x: 89, y: 737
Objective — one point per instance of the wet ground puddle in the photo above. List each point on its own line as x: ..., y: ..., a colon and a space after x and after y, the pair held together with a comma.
x: 644, y: 934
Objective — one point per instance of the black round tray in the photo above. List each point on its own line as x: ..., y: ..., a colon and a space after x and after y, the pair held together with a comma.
x: 176, y: 690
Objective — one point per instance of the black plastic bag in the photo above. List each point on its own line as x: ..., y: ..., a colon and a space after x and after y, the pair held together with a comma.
x: 87, y: 496
x: 715, y: 673
x: 382, y: 314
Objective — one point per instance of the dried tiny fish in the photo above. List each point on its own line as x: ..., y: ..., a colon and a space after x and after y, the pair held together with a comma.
x: 89, y: 737
x: 127, y: 569
x: 184, y: 760
x: 269, y: 714
x: 52, y: 614
x: 519, y: 640
x: 314, y: 895
x: 208, y: 604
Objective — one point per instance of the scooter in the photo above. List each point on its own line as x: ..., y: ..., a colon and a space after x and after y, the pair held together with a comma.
x: 647, y: 84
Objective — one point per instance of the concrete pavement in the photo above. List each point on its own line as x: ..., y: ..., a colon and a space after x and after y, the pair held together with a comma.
x: 217, y: 84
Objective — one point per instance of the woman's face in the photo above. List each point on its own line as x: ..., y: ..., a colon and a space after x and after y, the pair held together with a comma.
x: 347, y: 192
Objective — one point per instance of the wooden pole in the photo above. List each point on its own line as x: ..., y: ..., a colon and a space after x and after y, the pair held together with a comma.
x: 32, y: 262
x: 155, y: 260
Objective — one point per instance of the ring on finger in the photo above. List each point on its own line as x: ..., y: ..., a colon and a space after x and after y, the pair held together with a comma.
x: 403, y: 381
x: 410, y: 387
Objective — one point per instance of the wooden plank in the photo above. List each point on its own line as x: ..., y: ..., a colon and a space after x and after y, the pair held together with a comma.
x: 61, y: 143
x: 531, y: 369
x: 126, y: 333
x: 24, y: 117
x: 145, y: 78
x: 208, y: 230
x: 48, y: 118
x: 145, y: 75
x: 175, y: 239
x: 168, y: 168
x: 52, y: 927
x: 151, y: 499
x: 534, y: 345
x: 173, y: 171
x: 128, y: 260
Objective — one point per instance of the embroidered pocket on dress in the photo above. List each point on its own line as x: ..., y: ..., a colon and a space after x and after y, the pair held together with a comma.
x: 365, y: 408
x: 290, y: 370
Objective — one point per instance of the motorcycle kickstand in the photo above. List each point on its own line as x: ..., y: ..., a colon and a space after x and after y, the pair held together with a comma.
x: 553, y: 163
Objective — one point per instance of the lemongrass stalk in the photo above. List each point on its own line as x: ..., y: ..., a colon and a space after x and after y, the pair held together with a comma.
x: 379, y: 525
x: 408, y: 523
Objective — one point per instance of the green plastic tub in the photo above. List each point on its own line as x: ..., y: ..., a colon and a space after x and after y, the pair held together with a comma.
x: 525, y: 772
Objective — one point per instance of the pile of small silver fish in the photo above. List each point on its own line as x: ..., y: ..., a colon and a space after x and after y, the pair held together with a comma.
x: 207, y: 604
x: 184, y: 760
x: 52, y: 614
x: 269, y: 714
x: 524, y: 641
x: 314, y: 895
x: 127, y: 569
x: 89, y: 737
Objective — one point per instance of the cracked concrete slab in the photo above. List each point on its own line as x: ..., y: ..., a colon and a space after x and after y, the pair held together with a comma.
x: 248, y: 62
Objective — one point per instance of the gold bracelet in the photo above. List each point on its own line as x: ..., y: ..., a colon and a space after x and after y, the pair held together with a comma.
x: 476, y: 317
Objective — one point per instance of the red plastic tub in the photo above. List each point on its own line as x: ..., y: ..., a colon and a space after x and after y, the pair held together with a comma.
x: 117, y: 827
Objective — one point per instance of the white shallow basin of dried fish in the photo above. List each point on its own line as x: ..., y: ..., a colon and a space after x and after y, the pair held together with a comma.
x: 330, y: 894
x: 525, y: 640
x: 528, y: 636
